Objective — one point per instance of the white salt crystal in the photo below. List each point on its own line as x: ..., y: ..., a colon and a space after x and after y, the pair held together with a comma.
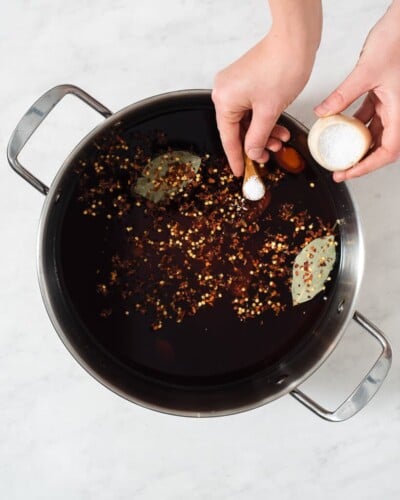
x: 341, y: 145
x: 253, y: 188
x: 338, y: 142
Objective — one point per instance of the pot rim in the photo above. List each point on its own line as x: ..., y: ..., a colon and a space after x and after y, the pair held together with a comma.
x: 52, y: 197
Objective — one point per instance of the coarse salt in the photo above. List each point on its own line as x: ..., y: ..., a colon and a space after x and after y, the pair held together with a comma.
x: 338, y: 142
x: 253, y: 188
x: 341, y: 145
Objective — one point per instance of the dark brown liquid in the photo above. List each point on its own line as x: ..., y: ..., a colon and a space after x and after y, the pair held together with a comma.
x: 213, y: 345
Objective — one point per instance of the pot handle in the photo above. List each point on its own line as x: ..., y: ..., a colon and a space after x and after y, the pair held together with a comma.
x: 367, y: 387
x: 34, y: 117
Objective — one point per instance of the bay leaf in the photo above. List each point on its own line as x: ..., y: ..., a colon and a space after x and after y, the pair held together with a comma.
x: 166, y: 174
x: 312, y: 267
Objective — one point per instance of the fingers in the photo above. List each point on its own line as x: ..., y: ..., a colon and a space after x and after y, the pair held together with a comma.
x: 231, y: 138
x: 262, y: 123
x: 229, y: 125
x: 373, y: 161
x: 273, y: 144
x: 281, y: 133
x: 367, y: 109
x: 259, y: 129
x: 229, y: 130
x: 376, y: 129
x: 355, y: 85
x: 386, y: 150
x: 386, y: 143
x: 278, y: 135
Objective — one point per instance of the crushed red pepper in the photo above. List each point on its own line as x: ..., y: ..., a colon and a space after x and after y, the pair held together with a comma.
x: 201, y: 245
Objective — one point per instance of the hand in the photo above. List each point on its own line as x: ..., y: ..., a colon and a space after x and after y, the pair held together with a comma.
x: 250, y: 94
x: 377, y: 74
x: 264, y: 81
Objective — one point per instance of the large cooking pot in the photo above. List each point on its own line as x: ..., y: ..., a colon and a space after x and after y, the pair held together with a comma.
x: 278, y: 357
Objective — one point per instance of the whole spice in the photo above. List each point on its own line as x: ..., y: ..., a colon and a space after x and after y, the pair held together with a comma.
x: 166, y: 175
x: 312, y: 267
x: 290, y: 160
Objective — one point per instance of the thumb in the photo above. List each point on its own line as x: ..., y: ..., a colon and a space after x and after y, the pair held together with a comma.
x: 262, y: 123
x: 355, y: 85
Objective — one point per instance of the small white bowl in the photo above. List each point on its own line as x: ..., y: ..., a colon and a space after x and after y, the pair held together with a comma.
x: 338, y: 142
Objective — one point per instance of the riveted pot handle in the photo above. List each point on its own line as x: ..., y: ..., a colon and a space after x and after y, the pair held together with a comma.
x: 367, y: 387
x: 34, y: 117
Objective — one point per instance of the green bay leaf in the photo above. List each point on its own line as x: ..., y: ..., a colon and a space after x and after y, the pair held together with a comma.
x: 312, y: 267
x: 166, y: 174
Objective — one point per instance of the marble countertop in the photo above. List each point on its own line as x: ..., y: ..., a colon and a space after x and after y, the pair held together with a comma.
x: 63, y: 435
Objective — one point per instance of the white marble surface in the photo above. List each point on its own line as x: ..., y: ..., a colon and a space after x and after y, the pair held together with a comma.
x: 64, y: 436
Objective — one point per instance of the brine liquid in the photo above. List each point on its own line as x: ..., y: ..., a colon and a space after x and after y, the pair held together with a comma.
x: 215, y: 343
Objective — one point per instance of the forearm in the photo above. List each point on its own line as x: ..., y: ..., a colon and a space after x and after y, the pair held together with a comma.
x: 394, y: 8
x: 390, y: 22
x: 299, y: 20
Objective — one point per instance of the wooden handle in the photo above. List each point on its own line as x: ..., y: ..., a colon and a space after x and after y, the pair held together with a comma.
x: 253, y: 187
x: 249, y: 168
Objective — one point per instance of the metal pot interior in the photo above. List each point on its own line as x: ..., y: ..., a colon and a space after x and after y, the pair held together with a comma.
x: 211, y: 363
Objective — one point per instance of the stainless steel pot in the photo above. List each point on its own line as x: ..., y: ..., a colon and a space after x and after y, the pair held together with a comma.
x: 224, y: 399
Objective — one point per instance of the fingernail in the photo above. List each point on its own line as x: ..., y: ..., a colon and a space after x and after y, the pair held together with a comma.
x: 322, y: 110
x: 255, y: 153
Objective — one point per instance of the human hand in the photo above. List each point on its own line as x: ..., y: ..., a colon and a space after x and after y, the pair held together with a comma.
x: 250, y: 94
x: 377, y: 74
